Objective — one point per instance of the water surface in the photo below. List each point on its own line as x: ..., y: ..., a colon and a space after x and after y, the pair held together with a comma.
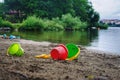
x: 105, y: 40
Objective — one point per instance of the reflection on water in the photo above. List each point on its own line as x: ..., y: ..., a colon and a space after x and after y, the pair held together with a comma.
x: 105, y: 40
x: 77, y: 37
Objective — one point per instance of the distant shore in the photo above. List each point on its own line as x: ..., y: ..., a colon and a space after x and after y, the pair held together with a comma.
x: 90, y: 65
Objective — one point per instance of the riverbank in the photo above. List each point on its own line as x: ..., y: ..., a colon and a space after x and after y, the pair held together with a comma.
x: 90, y: 65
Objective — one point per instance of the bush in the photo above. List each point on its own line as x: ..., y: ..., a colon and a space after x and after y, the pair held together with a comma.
x: 102, y: 26
x: 17, y: 25
x: 67, y: 22
x: 53, y: 25
x: 79, y: 24
x: 71, y: 23
x: 32, y: 23
x: 4, y: 23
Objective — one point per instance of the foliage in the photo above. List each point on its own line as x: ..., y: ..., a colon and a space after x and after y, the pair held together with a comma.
x: 82, y: 9
x: 53, y: 25
x: 1, y: 9
x: 72, y: 23
x: 17, y: 25
x: 4, y: 23
x: 32, y: 23
x: 102, y: 26
x: 55, y: 8
x: 1, y: 20
x: 94, y: 19
x: 64, y: 23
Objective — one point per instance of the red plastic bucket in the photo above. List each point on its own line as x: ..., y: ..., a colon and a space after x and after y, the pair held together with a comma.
x: 59, y: 53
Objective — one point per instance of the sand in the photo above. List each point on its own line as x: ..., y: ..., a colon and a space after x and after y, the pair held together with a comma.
x: 90, y: 65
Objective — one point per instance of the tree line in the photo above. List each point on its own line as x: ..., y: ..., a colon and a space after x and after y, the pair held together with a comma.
x: 19, y: 10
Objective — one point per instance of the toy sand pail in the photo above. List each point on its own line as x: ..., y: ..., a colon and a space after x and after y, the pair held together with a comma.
x: 73, y: 51
x: 59, y: 53
x: 15, y: 49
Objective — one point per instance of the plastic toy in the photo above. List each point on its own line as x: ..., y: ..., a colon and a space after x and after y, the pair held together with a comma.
x: 15, y: 50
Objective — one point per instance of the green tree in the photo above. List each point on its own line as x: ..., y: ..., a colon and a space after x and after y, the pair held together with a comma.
x: 94, y: 20
x: 85, y: 11
x: 43, y: 8
x: 81, y: 9
x: 1, y: 9
x: 55, y: 8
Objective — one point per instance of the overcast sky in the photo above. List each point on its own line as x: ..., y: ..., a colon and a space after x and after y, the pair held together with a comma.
x: 1, y: 0
x: 108, y: 9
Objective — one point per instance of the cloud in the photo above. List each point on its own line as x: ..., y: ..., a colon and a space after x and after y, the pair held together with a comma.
x: 107, y: 8
x: 1, y: 0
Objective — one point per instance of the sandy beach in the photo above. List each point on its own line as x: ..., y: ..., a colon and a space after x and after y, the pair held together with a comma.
x: 90, y: 65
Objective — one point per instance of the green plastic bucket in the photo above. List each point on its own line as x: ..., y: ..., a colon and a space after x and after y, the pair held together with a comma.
x: 73, y: 51
x: 15, y: 50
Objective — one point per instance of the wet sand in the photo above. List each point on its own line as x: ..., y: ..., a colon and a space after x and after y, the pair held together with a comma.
x: 90, y: 65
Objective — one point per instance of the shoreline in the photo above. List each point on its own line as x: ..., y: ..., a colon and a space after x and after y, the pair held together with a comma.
x: 90, y: 65
x: 103, y: 51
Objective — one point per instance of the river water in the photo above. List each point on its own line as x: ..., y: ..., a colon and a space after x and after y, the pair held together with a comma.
x: 105, y: 40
